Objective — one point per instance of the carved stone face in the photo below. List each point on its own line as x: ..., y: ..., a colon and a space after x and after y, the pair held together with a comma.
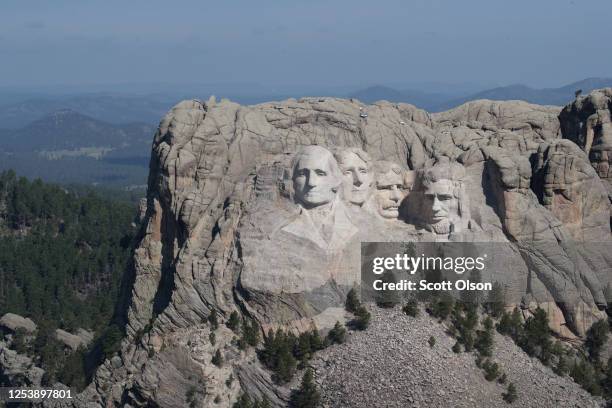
x: 315, y: 180
x: 389, y: 193
x: 442, y: 205
x: 356, y: 178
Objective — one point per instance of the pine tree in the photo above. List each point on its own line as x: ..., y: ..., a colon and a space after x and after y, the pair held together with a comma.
x: 250, y: 332
x: 234, y: 321
x: 362, y: 320
x: 316, y: 342
x: 217, y: 358
x: 491, y: 370
x: 337, y: 335
x: 387, y: 298
x: 496, y: 300
x: 213, y: 319
x: 307, y: 395
x: 606, y: 382
x: 597, y: 335
x: 510, y: 395
x: 302, y: 349
x: 484, y: 340
x: 411, y: 308
x: 352, y: 301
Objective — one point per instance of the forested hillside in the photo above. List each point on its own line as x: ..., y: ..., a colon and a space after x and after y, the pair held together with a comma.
x: 62, y: 257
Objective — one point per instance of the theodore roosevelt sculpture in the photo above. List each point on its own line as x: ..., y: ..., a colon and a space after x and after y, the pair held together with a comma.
x: 390, y: 191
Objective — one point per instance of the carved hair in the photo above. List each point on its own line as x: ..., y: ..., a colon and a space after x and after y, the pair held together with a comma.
x: 383, y: 167
x: 341, y: 154
x: 444, y: 169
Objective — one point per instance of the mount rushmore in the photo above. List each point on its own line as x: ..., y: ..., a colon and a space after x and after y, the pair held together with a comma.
x: 261, y: 209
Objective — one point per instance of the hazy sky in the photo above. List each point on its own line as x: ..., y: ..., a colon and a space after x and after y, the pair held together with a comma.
x: 331, y: 42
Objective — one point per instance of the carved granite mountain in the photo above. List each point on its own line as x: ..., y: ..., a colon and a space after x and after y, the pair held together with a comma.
x: 260, y: 210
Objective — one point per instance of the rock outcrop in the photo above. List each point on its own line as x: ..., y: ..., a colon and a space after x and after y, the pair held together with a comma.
x: 18, y: 369
x: 244, y: 215
x: 588, y: 123
x: 14, y: 322
x: 74, y: 341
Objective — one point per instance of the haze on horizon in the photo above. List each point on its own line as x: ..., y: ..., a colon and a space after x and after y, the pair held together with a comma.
x: 542, y: 44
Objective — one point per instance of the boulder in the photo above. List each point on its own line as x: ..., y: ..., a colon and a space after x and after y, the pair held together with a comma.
x: 14, y: 322
x: 70, y: 340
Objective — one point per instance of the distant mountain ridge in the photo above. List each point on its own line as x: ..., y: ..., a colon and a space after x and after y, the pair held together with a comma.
x: 116, y: 109
x: 436, y: 102
x: 67, y: 129
x: 68, y: 147
x: 379, y: 92
x: 545, y: 96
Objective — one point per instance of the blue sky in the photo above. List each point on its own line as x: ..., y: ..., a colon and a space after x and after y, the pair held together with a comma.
x: 334, y: 42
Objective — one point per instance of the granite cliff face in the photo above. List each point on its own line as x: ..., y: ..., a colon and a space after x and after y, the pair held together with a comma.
x: 233, y: 224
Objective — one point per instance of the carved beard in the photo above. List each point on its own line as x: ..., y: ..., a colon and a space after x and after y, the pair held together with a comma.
x: 442, y: 227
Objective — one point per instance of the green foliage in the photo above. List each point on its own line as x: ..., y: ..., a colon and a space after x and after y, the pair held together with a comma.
x: 502, y: 378
x: 217, y: 359
x: 62, y: 255
x: 441, y: 306
x: 536, y: 339
x: 250, y: 332
x: 465, y: 318
x: 585, y: 374
x: 533, y: 336
x: 387, y: 298
x: 234, y: 321
x: 562, y: 367
x: 510, y: 395
x: 244, y: 401
x: 484, y: 339
x: 491, y: 370
x: 411, y: 308
x: 472, y: 297
x: 362, y: 318
x: 496, y: 300
x: 511, y: 324
x: 457, y: 347
x: 212, y: 338
x: 49, y: 351
x: 20, y: 343
x: 307, y: 396
x: 431, y: 341
x: 213, y: 319
x: 337, y: 335
x: 111, y: 340
x: 352, y: 303
x: 277, y: 355
x: 73, y: 370
x: 606, y: 382
x: 282, y: 351
x: 596, y: 337
x: 302, y: 349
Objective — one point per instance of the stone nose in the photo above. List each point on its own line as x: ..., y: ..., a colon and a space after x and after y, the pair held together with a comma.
x: 357, y: 178
x: 396, y: 194
x: 436, y: 206
x: 313, y: 179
